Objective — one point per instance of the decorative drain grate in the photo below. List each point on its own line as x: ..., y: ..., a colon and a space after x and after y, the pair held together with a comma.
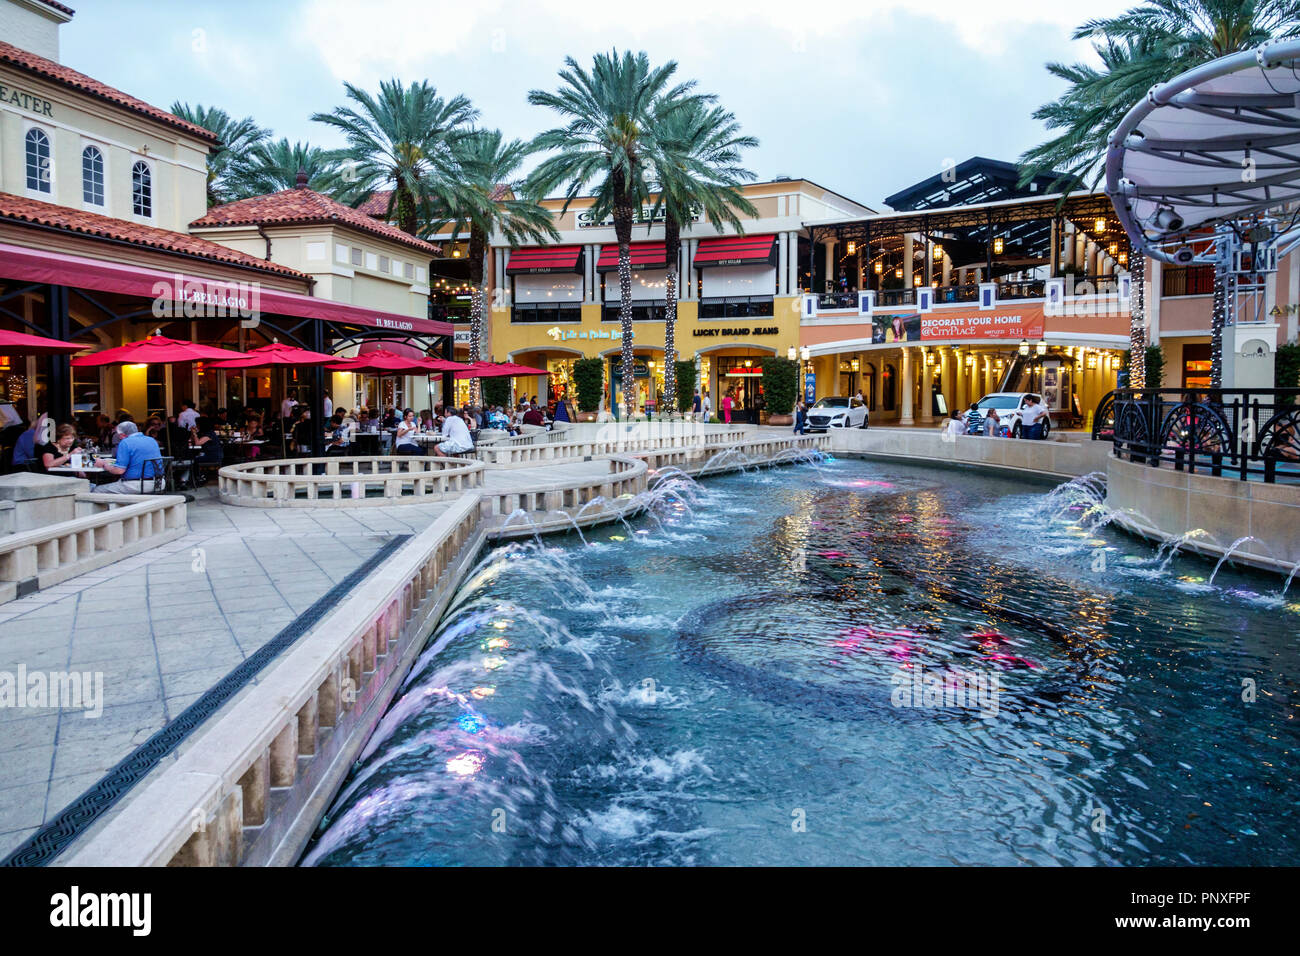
x: 55, y: 837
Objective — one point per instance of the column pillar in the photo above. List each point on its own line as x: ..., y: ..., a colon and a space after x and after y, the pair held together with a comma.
x: 830, y: 276
x: 947, y: 268
x: 907, y: 261
x: 958, y: 381
x: 783, y: 264
x: 927, y: 392
x: 907, y: 385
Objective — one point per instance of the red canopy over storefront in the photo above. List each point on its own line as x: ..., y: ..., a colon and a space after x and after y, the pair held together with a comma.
x: 544, y: 259
x: 645, y: 255
x: 736, y: 251
x: 202, y: 293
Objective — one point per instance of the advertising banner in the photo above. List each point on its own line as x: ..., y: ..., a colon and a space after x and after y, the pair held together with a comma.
x: 1024, y: 321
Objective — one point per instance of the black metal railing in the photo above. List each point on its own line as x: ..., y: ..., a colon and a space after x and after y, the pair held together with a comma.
x: 1248, y: 434
x: 547, y: 312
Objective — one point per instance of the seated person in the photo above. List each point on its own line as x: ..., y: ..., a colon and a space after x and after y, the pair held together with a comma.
x: 534, y: 416
x: 336, y: 442
x: 137, y: 457
x: 25, y: 446
x: 457, y: 441
x: 497, y: 419
x: 58, y: 453
x: 204, y: 436
x: 303, y: 435
x: 404, y: 443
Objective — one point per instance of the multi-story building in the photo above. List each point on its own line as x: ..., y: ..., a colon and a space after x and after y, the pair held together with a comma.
x: 105, y: 237
x: 739, y: 295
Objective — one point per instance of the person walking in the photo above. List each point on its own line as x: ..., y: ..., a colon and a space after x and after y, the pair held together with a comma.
x: 800, y: 417
x: 695, y: 404
x: 727, y: 402
x: 706, y: 407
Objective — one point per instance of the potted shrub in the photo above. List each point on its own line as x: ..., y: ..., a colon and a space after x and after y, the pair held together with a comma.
x: 685, y: 385
x: 780, y: 389
x: 589, y: 379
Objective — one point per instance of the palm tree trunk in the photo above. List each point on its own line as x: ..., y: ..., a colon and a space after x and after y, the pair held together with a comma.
x: 404, y: 210
x: 673, y: 247
x: 623, y: 232
x: 1137, y: 329
x: 477, y: 298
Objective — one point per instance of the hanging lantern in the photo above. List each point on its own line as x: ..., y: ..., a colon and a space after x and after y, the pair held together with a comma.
x: 855, y: 364
x: 938, y: 253
x: 1091, y: 360
x: 916, y: 280
x: 1113, y: 249
x: 997, y: 246
x: 1024, y: 346
x: 853, y: 247
x: 880, y: 267
x: 1099, y: 225
x: 1123, y: 258
x: 898, y: 273
x: 1041, y: 348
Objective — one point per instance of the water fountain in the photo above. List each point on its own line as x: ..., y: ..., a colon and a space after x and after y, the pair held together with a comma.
x: 1227, y: 554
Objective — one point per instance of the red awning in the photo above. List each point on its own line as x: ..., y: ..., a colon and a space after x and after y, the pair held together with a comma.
x: 543, y: 259
x: 736, y: 251
x: 79, y: 272
x: 21, y: 343
x: 396, y: 348
x: 645, y: 255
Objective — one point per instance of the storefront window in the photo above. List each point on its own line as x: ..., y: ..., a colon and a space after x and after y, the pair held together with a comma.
x: 887, y: 380
x: 86, y: 396
x: 1196, y: 366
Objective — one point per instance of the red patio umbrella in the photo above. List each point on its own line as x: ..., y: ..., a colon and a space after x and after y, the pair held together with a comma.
x: 277, y: 354
x: 20, y: 343
x: 383, y: 362
x: 498, y: 370
x: 158, y: 350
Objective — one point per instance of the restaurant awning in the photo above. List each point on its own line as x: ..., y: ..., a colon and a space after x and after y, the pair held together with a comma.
x: 208, y: 293
x: 736, y: 251
x: 544, y: 259
x: 645, y: 255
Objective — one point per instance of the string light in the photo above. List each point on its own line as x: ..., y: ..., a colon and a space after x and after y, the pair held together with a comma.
x: 1218, y: 320
x: 1137, y: 334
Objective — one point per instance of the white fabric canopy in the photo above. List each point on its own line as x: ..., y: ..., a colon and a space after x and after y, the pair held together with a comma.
x: 1219, y: 142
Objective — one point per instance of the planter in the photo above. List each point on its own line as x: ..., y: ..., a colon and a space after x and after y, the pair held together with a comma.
x: 780, y: 419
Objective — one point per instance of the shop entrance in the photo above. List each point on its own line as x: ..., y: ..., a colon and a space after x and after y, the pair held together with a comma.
x: 743, y: 378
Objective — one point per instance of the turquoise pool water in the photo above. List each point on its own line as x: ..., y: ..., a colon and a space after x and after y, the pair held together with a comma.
x: 851, y: 663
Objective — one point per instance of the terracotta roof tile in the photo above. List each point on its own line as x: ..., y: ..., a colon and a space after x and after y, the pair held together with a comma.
x: 306, y: 206
x: 377, y: 204
x: 39, y: 65
x: 20, y: 209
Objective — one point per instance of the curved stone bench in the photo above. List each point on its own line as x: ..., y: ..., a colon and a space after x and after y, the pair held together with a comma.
x: 347, y: 482
x: 551, y: 505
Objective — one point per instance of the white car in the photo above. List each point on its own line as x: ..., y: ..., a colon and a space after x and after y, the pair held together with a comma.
x: 837, y: 412
x: 1009, y: 405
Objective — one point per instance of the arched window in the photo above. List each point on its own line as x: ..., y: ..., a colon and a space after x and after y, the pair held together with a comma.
x: 38, y: 160
x: 887, y: 381
x: 141, y: 190
x: 869, y: 385
x: 92, y: 176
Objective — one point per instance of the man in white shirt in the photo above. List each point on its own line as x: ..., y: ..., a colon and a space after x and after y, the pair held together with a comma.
x: 188, y: 417
x: 457, y: 435
x: 329, y: 406
x: 1032, y: 417
x: 706, y: 407
x: 286, y: 406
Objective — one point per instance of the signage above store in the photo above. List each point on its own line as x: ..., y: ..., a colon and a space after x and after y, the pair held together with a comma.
x: 27, y: 101
x: 647, y: 215
x: 743, y: 330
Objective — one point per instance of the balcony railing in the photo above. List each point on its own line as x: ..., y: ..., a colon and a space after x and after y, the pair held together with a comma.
x: 1249, y: 434
x: 1075, y: 285
x: 738, y: 307
x: 549, y: 312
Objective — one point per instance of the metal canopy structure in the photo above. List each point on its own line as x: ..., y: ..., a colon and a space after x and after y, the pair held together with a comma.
x: 1218, y: 144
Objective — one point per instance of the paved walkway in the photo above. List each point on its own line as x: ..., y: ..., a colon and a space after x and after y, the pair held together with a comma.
x: 163, y: 627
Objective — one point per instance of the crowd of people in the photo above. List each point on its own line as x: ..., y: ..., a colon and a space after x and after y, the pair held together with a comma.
x: 1034, y: 415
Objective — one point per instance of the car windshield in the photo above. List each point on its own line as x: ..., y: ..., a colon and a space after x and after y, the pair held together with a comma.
x: 832, y: 403
x: 1001, y: 401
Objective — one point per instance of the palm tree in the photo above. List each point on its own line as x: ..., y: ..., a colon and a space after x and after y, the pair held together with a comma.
x: 226, y: 161
x: 608, y: 141
x: 402, y: 140
x: 273, y: 166
x: 487, y: 200
x: 1145, y: 46
x: 697, y: 165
